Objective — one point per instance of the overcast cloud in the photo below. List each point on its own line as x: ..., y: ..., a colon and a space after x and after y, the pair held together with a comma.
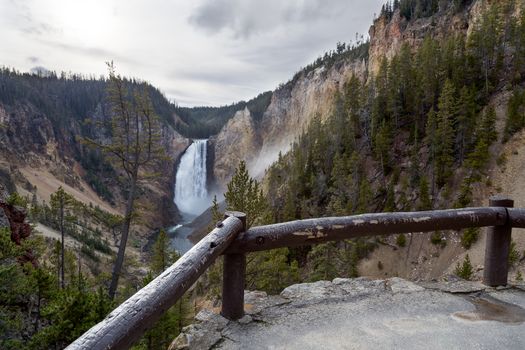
x: 200, y: 52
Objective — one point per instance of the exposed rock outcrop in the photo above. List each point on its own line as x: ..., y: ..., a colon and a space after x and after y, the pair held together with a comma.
x: 291, y: 109
x: 237, y: 141
x: 387, y: 36
x: 15, y: 218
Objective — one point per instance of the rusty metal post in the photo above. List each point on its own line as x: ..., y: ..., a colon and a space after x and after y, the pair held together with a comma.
x: 497, y: 247
x: 233, y: 279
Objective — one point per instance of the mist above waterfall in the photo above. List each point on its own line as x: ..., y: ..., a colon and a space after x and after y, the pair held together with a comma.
x: 191, y: 194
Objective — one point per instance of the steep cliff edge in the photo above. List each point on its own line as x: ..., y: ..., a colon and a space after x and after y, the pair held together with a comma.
x: 291, y: 109
x: 387, y: 35
x: 237, y: 141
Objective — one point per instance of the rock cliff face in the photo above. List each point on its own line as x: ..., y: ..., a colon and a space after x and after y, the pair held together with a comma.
x: 291, y: 109
x: 387, y: 36
x: 237, y: 141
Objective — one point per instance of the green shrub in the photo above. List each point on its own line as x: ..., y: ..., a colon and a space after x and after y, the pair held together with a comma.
x: 464, y: 270
x: 437, y: 239
x: 514, y: 254
x: 401, y: 240
x: 87, y: 251
x: 519, y: 276
x: 469, y: 237
x: 501, y: 160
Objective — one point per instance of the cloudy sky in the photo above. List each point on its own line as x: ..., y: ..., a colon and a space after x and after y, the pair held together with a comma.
x: 198, y: 52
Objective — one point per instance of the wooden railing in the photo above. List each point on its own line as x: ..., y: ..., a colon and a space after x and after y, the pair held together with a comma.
x: 128, y: 322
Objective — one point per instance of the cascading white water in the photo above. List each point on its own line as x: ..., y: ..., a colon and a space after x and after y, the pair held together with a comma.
x: 191, y: 194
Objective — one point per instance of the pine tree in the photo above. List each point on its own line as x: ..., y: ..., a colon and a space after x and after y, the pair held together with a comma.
x: 161, y: 258
x: 485, y: 46
x: 401, y: 240
x: 174, y: 319
x: 390, y: 202
x: 477, y: 159
x: 216, y: 214
x: 465, y: 270
x: 445, y: 134
x: 135, y: 144
x: 365, y: 197
x: 465, y: 193
x: 245, y: 195
x: 338, y: 185
x: 429, y: 72
x: 60, y: 201
x: 271, y: 271
x: 352, y: 105
x: 289, y: 209
x: 431, y: 139
x: 379, y: 111
x: 485, y: 135
x: 424, y: 203
x: 466, y: 113
x: 395, y: 97
x: 488, y: 126
x: 383, y: 146
x: 215, y: 211
x: 322, y: 259
x: 519, y: 45
x: 469, y: 237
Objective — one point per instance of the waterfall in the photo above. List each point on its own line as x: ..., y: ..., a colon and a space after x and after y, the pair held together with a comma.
x: 191, y: 195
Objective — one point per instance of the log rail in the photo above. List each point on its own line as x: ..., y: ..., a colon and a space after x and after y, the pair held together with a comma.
x: 128, y: 322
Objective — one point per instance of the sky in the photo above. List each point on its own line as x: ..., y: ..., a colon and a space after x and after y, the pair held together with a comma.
x: 197, y: 52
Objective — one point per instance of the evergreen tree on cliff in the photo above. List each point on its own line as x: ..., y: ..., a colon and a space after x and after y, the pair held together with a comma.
x: 61, y: 201
x: 244, y: 194
x: 135, y: 144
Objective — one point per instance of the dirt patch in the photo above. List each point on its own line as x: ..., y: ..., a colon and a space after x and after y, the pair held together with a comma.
x: 46, y: 184
x: 51, y: 233
x: 418, y: 260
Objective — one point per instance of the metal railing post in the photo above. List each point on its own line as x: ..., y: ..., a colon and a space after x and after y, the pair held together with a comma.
x: 233, y: 279
x: 497, y: 247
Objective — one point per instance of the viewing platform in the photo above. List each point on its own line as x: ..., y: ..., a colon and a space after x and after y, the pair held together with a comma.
x: 369, y: 314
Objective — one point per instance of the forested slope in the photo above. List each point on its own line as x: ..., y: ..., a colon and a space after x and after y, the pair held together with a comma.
x: 420, y: 133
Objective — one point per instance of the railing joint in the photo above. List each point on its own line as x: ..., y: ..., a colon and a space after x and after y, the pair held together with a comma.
x: 497, y: 246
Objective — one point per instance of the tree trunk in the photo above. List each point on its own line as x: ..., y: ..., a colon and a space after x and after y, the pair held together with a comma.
x: 180, y: 315
x: 39, y: 300
x: 58, y: 265
x: 62, y: 281
x: 124, y: 238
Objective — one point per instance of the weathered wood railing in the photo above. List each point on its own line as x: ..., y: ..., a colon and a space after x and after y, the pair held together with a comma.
x: 126, y: 324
